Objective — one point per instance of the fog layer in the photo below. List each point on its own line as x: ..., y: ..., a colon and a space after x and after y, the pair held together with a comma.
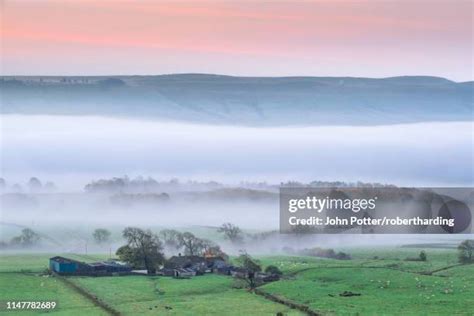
x: 74, y: 150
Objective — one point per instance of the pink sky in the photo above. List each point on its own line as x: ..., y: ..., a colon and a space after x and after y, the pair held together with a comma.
x: 279, y: 38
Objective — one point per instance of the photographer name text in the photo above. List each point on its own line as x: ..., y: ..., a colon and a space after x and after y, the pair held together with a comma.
x: 384, y: 221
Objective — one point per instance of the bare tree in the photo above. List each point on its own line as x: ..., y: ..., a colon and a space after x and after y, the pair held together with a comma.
x: 231, y: 232
x: 27, y: 238
x: 192, y: 245
x: 101, y: 235
x: 214, y: 250
x: 171, y: 238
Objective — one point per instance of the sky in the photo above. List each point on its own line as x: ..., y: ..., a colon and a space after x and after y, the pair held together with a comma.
x: 251, y: 38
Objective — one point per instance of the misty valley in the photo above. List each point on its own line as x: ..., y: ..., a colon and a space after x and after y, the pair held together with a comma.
x: 161, y: 194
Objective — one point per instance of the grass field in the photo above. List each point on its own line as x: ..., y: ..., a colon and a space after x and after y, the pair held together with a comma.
x: 383, y: 291
x: 386, y: 282
x: 210, y: 294
x: 21, y: 278
x: 32, y: 287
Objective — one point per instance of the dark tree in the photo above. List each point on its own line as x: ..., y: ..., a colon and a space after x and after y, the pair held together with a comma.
x: 231, y: 232
x: 101, y: 235
x: 273, y: 270
x: 143, y: 249
x: 131, y: 256
x: 251, y: 265
x: 423, y: 256
x: 29, y: 236
x: 192, y: 245
x: 466, y: 251
x: 112, y: 185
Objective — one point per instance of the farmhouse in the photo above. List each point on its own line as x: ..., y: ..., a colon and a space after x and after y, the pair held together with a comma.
x: 215, y: 263
x: 224, y: 270
x: 195, y: 263
x: 66, y: 266
x: 180, y: 266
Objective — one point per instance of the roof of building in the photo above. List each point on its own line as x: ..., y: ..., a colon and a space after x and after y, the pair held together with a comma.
x: 109, y: 264
x: 65, y: 260
x: 183, y: 261
x: 93, y: 264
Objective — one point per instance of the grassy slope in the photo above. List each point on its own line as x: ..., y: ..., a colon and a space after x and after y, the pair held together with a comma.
x: 393, y: 287
x: 389, y: 258
x: 20, y: 279
x: 19, y: 286
x: 383, y: 292
x: 20, y: 276
x: 210, y: 294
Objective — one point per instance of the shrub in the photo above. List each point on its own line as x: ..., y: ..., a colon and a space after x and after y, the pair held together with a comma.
x: 273, y: 270
x: 466, y: 251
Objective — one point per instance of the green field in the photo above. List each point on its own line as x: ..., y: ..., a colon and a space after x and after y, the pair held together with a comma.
x: 22, y: 278
x: 383, y: 291
x: 21, y: 275
x: 210, y: 294
x: 386, y: 282
x: 33, y: 287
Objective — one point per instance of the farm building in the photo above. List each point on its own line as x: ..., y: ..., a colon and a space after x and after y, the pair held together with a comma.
x: 224, y: 270
x: 177, y: 265
x: 216, y: 263
x: 63, y: 265
x: 184, y: 273
x: 195, y: 262
x: 178, y: 272
x: 107, y: 267
x: 240, y: 273
x: 66, y: 266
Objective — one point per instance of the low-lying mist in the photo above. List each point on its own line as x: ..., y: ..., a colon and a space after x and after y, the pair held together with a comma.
x: 65, y: 222
x: 73, y: 150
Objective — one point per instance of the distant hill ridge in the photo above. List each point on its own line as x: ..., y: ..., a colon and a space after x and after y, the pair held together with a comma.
x: 255, y: 101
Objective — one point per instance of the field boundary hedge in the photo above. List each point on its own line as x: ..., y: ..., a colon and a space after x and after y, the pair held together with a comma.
x: 301, y: 307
